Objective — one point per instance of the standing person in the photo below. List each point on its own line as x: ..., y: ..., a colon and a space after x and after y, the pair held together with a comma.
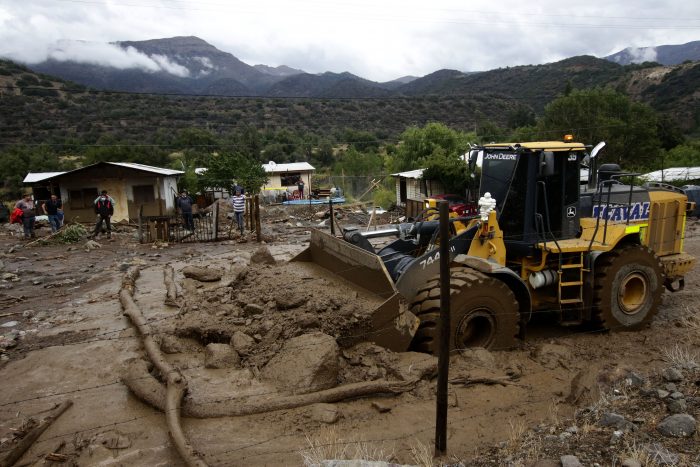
x: 184, y: 204
x: 27, y: 206
x: 51, y: 208
x: 104, y: 208
x: 300, y: 187
x: 238, y: 203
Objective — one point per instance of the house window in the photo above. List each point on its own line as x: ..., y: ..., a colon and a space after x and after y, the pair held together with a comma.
x: 143, y: 194
x: 83, y: 198
x: 290, y: 178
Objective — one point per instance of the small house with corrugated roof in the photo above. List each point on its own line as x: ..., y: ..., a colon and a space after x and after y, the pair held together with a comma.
x: 135, y: 188
x: 286, y: 177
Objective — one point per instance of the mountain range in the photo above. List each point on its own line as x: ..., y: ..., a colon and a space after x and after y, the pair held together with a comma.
x: 190, y: 65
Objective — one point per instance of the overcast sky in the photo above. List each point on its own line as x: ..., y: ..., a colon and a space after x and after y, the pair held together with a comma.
x: 380, y: 40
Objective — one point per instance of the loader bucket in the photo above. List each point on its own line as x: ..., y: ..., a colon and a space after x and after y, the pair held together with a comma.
x: 390, y: 324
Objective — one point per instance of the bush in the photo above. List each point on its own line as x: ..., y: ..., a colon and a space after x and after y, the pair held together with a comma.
x: 72, y: 233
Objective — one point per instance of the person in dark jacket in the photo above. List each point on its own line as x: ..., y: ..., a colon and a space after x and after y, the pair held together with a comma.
x: 104, y: 208
x: 26, y: 204
x: 52, y: 208
x: 184, y: 204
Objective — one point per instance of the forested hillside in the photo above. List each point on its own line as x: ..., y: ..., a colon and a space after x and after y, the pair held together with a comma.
x: 50, y: 124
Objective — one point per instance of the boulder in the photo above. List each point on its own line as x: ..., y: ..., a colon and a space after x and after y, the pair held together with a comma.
x: 307, y: 363
x: 677, y: 426
x: 242, y: 343
x: 409, y: 366
x: 478, y: 356
x: 262, y: 256
x: 202, y: 274
x: 324, y: 413
x: 616, y: 421
x: 221, y: 356
x: 570, y: 461
x: 672, y: 375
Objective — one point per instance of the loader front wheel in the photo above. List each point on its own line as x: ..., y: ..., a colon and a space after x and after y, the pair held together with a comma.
x: 483, y: 313
x: 628, y: 287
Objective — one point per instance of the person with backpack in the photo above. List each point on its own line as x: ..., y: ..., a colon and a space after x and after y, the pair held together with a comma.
x: 104, y: 208
x: 26, y: 205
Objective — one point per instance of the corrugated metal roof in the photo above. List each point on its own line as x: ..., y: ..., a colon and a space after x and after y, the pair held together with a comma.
x: 148, y: 168
x: 39, y: 176
x: 418, y: 173
x: 673, y: 173
x: 291, y: 167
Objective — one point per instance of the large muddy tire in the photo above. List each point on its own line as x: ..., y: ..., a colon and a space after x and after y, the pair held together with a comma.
x: 484, y: 313
x: 628, y: 287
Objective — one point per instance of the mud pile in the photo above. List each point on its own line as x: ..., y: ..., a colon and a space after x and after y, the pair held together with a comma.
x: 269, y: 304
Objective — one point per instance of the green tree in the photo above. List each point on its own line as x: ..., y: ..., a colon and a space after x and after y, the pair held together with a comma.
x: 628, y: 128
x: 684, y: 155
x: 226, y: 169
x: 450, y: 171
x: 418, y: 144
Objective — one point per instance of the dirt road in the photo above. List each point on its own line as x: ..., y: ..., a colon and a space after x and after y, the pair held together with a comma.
x: 66, y: 338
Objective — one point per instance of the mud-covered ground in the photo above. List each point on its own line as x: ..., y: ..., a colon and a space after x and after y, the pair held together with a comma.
x: 65, y: 338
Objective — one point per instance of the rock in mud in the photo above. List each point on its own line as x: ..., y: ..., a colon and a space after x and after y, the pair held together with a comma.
x: 616, y: 421
x: 242, y: 343
x: 410, y: 366
x: 381, y: 407
x: 221, y: 356
x: 672, y: 375
x: 170, y: 344
x: 552, y: 355
x: 262, y: 256
x: 252, y: 309
x: 677, y: 426
x: 288, y: 299
x: 324, y: 413
x: 92, y: 245
x: 570, y: 461
x: 307, y: 363
x: 202, y: 274
x: 478, y: 356
x: 677, y: 406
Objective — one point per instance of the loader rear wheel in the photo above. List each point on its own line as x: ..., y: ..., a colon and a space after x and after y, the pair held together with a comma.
x: 628, y: 287
x: 483, y: 313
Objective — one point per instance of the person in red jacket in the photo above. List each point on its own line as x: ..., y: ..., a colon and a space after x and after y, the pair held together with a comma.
x: 104, y: 208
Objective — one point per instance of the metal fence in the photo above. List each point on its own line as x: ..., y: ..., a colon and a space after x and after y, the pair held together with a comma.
x: 210, y: 224
x: 172, y: 228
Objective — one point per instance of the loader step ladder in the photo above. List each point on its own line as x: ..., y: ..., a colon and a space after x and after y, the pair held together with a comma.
x: 571, y: 288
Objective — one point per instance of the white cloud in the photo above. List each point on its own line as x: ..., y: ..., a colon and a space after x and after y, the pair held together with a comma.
x: 641, y: 55
x: 379, y: 39
x: 113, y: 56
x: 205, y: 61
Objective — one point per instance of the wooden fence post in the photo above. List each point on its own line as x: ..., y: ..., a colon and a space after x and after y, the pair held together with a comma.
x: 257, y: 219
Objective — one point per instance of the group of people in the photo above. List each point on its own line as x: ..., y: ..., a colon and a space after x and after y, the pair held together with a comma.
x: 53, y: 209
x: 104, y: 209
x: 184, y: 203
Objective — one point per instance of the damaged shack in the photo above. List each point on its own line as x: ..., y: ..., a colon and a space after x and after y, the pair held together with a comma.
x: 132, y: 186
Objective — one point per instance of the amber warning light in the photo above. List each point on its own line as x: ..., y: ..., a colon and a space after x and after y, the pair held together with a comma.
x: 568, y: 138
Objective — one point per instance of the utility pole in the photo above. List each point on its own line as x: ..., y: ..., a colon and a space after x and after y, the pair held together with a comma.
x: 444, y: 357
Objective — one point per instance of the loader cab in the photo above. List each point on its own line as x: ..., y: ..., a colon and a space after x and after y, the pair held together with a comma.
x: 536, y: 187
